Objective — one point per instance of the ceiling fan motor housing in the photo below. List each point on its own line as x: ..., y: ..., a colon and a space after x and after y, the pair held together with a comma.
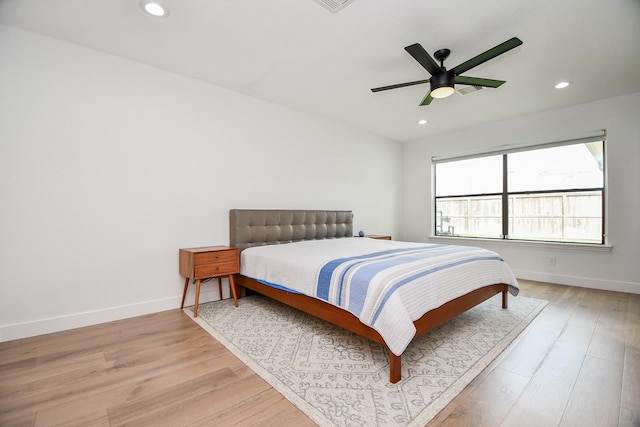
x: 445, y: 79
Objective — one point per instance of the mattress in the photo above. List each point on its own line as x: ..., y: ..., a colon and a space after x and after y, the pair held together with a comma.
x: 386, y: 284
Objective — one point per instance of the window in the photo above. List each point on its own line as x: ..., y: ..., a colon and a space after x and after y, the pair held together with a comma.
x: 552, y: 192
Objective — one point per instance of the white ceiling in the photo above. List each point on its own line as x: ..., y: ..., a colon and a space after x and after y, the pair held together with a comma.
x: 298, y: 54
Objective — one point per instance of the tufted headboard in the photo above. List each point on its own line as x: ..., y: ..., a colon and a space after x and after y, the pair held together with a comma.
x: 256, y: 227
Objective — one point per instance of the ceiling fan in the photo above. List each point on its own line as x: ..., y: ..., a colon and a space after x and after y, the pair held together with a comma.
x: 442, y: 80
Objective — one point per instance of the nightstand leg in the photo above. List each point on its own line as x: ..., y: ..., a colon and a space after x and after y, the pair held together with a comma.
x: 184, y: 293
x: 220, y: 286
x: 233, y: 290
x: 195, y: 307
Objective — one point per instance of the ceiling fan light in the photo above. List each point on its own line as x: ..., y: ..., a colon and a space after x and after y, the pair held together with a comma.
x: 442, y: 92
x: 442, y: 85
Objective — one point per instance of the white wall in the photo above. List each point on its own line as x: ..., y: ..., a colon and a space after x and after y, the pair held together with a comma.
x: 617, y: 269
x: 108, y: 167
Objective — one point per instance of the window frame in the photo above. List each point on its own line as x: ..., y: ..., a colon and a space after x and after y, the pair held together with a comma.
x: 505, y: 194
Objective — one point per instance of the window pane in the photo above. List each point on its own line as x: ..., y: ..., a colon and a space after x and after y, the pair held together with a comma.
x: 558, y: 168
x: 554, y: 194
x: 473, y: 176
x: 561, y: 217
x: 469, y: 216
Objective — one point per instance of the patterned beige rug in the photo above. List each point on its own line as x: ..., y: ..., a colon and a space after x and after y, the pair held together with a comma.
x: 340, y: 379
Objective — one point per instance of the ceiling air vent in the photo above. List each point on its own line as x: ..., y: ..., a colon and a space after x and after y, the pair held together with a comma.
x: 334, y: 5
x: 466, y: 90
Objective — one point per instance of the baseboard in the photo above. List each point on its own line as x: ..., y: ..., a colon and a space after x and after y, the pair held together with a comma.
x: 78, y: 320
x: 583, y: 282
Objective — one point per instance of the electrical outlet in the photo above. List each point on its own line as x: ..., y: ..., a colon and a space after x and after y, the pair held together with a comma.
x: 551, y: 261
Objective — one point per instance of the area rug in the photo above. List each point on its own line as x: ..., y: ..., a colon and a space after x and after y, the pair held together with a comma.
x: 340, y: 379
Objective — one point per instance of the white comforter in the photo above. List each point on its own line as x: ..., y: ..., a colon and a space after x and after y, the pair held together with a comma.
x: 386, y: 284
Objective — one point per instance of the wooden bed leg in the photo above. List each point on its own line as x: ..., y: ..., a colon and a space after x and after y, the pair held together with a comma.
x: 504, y: 298
x: 395, y: 363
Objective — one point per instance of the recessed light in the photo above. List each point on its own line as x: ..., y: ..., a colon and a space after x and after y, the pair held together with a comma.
x: 422, y: 122
x: 562, y: 85
x: 154, y: 9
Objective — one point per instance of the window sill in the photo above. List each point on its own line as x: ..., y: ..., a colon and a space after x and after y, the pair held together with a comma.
x: 521, y: 243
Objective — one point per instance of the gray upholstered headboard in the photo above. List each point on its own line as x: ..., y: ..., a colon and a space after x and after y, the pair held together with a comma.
x: 256, y: 227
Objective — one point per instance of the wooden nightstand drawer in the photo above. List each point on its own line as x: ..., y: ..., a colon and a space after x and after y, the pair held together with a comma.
x: 221, y: 268
x: 215, y: 257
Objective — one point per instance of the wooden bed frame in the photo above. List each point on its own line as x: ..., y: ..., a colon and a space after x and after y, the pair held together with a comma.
x: 259, y: 227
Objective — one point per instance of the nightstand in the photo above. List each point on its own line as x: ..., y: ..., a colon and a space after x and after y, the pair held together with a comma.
x: 209, y: 262
x: 377, y: 236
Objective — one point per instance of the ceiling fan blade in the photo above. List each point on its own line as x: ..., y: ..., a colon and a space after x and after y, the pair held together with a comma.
x: 489, y: 54
x: 423, y: 58
x: 417, y: 82
x: 475, y: 81
x: 427, y: 99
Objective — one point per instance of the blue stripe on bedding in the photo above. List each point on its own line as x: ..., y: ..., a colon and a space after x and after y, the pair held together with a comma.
x: 326, y: 272
x: 275, y: 285
x: 426, y: 273
x: 370, y: 265
x: 359, y: 284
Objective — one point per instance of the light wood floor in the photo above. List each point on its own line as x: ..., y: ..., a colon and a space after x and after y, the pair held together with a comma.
x: 578, y: 364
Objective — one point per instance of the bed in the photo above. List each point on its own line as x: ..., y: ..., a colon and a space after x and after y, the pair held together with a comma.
x: 310, y: 260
